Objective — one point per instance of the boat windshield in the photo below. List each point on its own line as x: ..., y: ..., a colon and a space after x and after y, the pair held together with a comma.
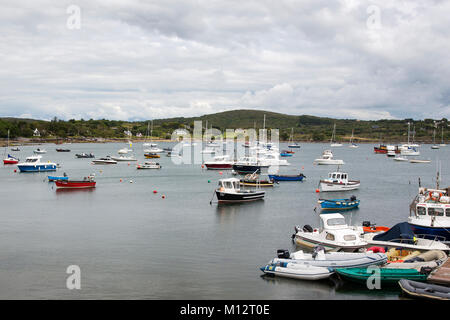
x: 31, y: 160
x: 336, y: 222
x: 438, y: 212
x: 421, y: 211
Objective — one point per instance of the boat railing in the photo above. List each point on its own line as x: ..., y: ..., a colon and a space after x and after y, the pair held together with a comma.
x: 434, y: 238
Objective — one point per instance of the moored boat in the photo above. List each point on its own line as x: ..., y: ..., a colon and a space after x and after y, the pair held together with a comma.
x: 386, y: 276
x: 339, y: 204
x: 53, y: 178
x: 338, y: 181
x: 39, y: 151
x: 151, y: 155
x: 415, y: 289
x: 281, y: 177
x: 229, y: 192
x: 84, y: 155
x: 254, y: 180
x: 88, y: 182
x: 149, y: 165
x: 219, y: 163
x: 297, y: 271
x: 327, y: 159
x: 34, y: 164
x: 10, y: 160
x: 106, y: 160
x: 62, y: 150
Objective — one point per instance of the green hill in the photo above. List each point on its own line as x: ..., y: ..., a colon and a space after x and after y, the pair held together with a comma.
x: 306, y: 128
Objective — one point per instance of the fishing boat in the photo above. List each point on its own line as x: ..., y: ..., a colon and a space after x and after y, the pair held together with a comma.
x: 124, y: 158
x: 219, y: 163
x: 383, y: 149
x: 280, y: 177
x: 327, y: 159
x: 249, y: 165
x: 84, y: 155
x: 386, y: 276
x: 334, y: 235
x: 338, y: 181
x: 319, y: 258
x: 333, y: 142
x: 39, y: 151
x: 409, y: 151
x: 339, y: 204
x: 15, y: 149
x: 34, y: 164
x: 415, y: 289
x: 254, y: 180
x: 401, y: 159
x: 151, y: 155
x: 149, y: 165
x: 430, y: 213
x: 229, y: 191
x: 62, y: 150
x: 106, y: 160
x: 9, y: 159
x: 297, y: 271
x: 87, y: 182
x: 401, y: 235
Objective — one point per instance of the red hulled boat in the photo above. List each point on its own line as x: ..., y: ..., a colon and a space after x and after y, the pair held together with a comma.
x: 76, y: 184
x: 10, y: 160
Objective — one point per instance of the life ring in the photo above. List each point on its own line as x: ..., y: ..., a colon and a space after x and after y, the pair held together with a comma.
x: 376, y: 250
x: 435, y: 198
x: 221, y: 189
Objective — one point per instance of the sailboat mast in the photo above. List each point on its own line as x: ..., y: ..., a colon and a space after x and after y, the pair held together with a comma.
x: 409, y: 126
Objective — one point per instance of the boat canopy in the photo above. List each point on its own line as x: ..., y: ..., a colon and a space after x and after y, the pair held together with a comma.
x: 229, y: 184
x: 341, y: 176
x: 399, y: 231
x: 333, y: 221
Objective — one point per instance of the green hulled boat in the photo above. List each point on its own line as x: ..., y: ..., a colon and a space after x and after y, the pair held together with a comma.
x: 387, y: 276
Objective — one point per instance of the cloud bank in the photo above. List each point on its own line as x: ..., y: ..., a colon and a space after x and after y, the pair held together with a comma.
x: 135, y: 60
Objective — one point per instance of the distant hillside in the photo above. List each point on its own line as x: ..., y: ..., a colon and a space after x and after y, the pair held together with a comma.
x: 306, y: 128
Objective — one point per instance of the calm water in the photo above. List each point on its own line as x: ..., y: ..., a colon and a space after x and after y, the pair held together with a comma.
x: 132, y: 244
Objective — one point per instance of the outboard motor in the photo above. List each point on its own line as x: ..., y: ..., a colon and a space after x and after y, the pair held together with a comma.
x: 307, y: 228
x: 352, y: 198
x: 283, y: 254
x: 426, y: 270
x: 316, y: 251
x: 366, y: 224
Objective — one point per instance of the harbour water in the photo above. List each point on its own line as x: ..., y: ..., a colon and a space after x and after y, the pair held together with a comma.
x: 131, y: 243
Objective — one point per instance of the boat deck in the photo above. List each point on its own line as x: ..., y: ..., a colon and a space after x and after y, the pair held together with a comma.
x: 441, y: 275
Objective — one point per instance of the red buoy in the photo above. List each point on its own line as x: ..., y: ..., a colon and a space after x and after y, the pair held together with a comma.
x: 317, y: 190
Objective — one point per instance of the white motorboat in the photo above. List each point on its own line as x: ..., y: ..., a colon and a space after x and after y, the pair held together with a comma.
x: 338, y: 181
x: 40, y: 151
x: 331, y: 259
x: 149, y: 165
x: 402, y: 235
x: 327, y: 159
x: 272, y: 158
x: 124, y: 151
x: 106, y: 160
x: 124, y: 158
x: 34, y: 164
x: 409, y: 151
x: 334, y: 235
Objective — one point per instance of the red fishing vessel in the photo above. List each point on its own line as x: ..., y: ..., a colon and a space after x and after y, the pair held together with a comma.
x: 76, y: 184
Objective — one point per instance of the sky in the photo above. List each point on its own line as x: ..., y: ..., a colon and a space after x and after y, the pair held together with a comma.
x: 137, y: 60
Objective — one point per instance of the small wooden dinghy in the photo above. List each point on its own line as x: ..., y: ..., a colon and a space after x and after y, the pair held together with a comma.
x: 416, y: 289
x: 151, y: 155
x: 253, y: 180
x: 339, y: 204
x: 297, y: 271
x: 430, y: 259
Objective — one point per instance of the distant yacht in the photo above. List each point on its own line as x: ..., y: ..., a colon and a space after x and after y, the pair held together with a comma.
x: 333, y: 142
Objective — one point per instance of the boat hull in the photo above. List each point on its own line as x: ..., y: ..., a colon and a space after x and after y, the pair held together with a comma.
x: 10, y: 161
x: 338, y: 204
x: 67, y: 184
x: 304, y: 272
x: 430, y: 232
x: 226, y: 197
x: 52, y: 178
x: 329, y: 247
x: 217, y: 166
x: 244, y: 169
x: 387, y: 276
x: 327, y: 186
x: 286, y: 177
x: 37, y: 168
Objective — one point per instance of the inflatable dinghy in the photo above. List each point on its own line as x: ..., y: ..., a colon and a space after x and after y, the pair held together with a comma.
x: 416, y: 289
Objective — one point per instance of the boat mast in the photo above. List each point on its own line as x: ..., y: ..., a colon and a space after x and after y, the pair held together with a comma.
x: 409, y: 126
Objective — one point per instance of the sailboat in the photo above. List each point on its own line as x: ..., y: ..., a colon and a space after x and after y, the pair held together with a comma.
x: 292, y: 144
x: 352, y: 144
x: 333, y: 142
x: 434, y: 146
x: 147, y: 144
x: 442, y: 138
x: 153, y: 146
x: 10, y: 159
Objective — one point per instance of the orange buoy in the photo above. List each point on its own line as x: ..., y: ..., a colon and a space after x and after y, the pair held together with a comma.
x: 203, y: 166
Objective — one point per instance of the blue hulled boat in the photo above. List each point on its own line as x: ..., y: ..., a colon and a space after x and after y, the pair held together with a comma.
x: 52, y: 178
x: 279, y: 177
x: 285, y: 154
x: 339, y: 204
x: 34, y: 164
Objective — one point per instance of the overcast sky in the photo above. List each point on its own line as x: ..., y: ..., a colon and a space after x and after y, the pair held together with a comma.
x: 135, y: 60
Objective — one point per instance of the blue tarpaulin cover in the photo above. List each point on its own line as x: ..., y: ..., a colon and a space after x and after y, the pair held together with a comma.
x: 399, y: 231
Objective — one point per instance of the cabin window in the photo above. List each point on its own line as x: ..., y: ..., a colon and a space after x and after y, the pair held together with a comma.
x: 330, y: 237
x: 438, y: 212
x: 334, y: 176
x: 344, y: 176
x: 349, y: 237
x: 336, y: 222
x: 447, y: 212
x: 421, y: 211
x: 228, y: 185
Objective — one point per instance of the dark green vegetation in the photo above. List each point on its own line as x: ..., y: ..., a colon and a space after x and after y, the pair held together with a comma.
x: 306, y: 128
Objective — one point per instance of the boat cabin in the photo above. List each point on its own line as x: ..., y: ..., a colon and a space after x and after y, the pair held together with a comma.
x: 32, y: 159
x: 338, y: 177
x: 336, y: 229
x: 227, y: 185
